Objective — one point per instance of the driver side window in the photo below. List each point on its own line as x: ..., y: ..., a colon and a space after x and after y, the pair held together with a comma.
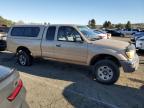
x: 68, y: 34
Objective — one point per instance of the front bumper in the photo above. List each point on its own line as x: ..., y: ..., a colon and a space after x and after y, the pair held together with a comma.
x: 130, y: 66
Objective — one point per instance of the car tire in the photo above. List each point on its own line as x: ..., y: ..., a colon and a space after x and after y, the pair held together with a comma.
x: 106, y: 72
x: 24, y: 58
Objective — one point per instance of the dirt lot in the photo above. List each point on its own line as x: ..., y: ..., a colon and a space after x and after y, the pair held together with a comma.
x: 58, y: 85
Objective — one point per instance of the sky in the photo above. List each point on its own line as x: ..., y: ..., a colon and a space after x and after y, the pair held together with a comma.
x: 73, y: 11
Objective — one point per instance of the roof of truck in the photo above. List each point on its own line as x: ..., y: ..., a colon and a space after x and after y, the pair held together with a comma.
x: 25, y: 25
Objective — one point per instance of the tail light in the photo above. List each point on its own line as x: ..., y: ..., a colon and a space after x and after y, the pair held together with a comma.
x: 16, y: 91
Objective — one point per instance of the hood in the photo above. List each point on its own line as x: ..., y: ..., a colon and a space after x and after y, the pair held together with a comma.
x: 112, y: 43
x: 4, y: 72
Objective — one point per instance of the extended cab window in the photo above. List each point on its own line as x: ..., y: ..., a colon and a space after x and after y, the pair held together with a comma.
x: 51, y: 33
x: 25, y: 31
x: 68, y: 34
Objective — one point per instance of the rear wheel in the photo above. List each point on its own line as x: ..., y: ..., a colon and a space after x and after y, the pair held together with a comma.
x: 24, y: 58
x: 106, y: 72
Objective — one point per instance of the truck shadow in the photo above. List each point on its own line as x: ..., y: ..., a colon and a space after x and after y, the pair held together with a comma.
x: 83, y: 92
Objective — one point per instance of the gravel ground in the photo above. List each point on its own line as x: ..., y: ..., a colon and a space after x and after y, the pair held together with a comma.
x: 52, y: 84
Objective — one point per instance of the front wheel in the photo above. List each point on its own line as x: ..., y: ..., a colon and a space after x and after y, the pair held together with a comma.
x: 106, y: 71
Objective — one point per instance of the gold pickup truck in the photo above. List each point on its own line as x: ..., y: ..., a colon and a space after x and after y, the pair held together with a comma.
x: 73, y: 44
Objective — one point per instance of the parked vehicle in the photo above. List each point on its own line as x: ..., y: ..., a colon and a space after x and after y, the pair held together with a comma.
x: 73, y: 44
x: 3, y: 35
x: 103, y: 34
x: 135, y: 31
x: 140, y: 43
x: 12, y: 92
x: 3, y: 44
x: 136, y: 36
x: 115, y: 33
x: 128, y: 31
x: 4, y: 29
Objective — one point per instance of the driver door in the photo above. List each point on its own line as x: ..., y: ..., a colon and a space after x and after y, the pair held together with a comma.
x: 70, y: 46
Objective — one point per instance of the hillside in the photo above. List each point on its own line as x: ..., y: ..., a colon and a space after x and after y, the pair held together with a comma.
x: 5, y: 22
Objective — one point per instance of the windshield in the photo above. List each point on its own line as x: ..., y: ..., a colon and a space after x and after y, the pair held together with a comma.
x: 88, y: 33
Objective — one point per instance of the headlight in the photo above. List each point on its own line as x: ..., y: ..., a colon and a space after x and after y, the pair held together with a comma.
x: 130, y: 54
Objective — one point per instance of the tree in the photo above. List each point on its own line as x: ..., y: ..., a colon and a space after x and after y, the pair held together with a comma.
x: 107, y: 24
x: 119, y: 26
x: 92, y: 23
x: 6, y: 22
x: 89, y: 23
x: 128, y: 25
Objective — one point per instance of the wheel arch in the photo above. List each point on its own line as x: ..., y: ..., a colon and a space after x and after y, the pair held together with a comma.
x: 24, y: 49
x: 104, y: 56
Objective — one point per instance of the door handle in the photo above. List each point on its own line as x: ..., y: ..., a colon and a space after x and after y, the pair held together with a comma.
x: 58, y: 45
